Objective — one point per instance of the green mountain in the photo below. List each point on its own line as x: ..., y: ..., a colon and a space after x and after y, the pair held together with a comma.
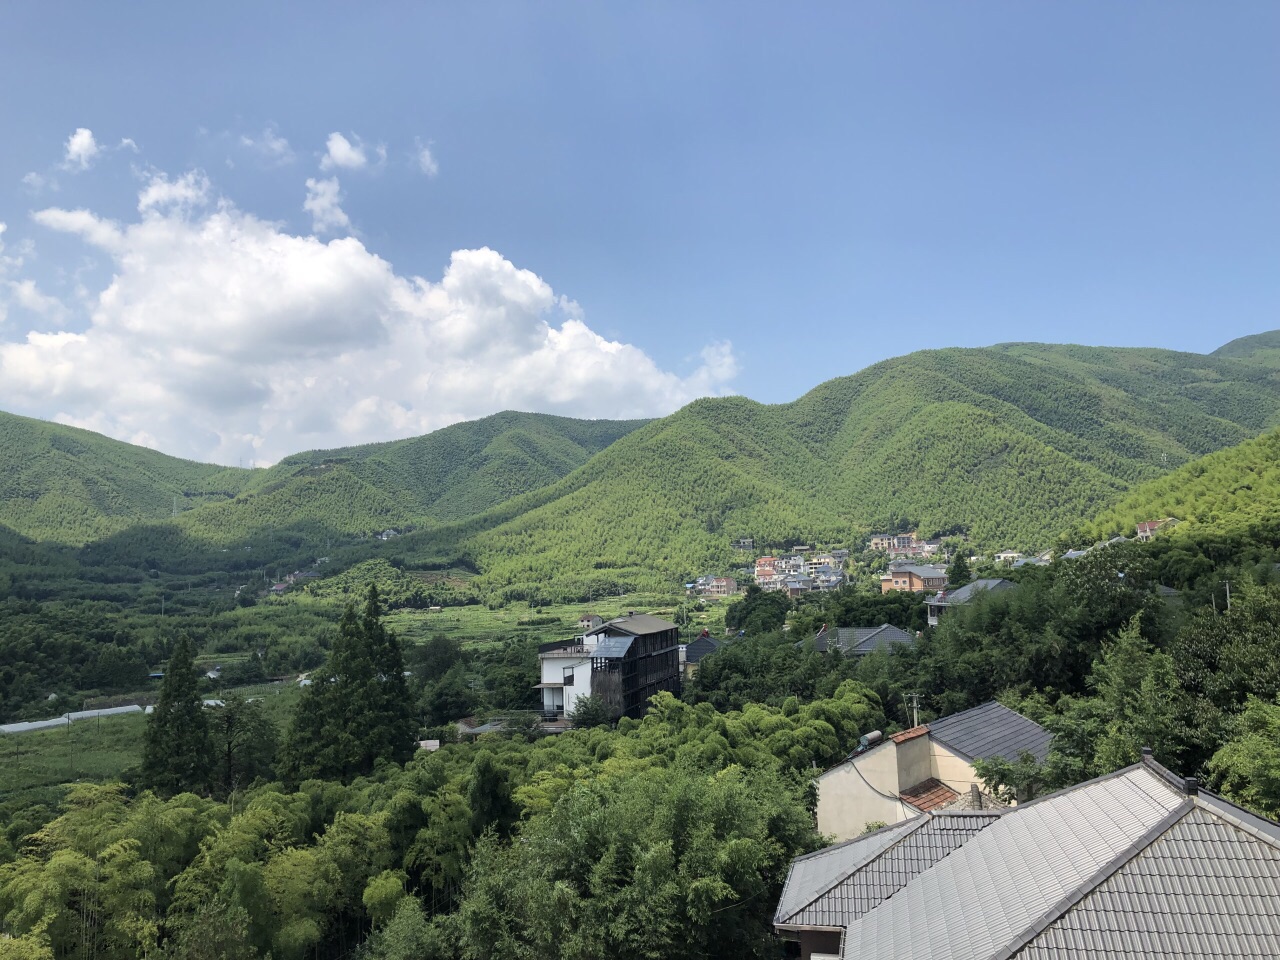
x: 1228, y: 490
x: 68, y: 485
x: 1259, y: 346
x: 1008, y: 444
x: 448, y: 475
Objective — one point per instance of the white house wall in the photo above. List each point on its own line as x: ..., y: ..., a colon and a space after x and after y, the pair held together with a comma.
x: 915, y: 765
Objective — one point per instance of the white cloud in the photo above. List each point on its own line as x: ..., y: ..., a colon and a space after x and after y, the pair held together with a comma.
x: 81, y: 150
x: 426, y: 161
x: 270, y: 146
x: 324, y: 203
x: 34, y: 182
x: 91, y: 228
x: 221, y: 336
x: 127, y: 143
x: 26, y: 295
x: 341, y: 152
x: 189, y: 191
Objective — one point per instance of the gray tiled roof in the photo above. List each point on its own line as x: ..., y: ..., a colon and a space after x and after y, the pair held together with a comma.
x: 879, y: 638
x: 991, y: 730
x: 1202, y: 889
x: 871, y: 881
x: 814, y: 874
x: 639, y: 624
x: 697, y: 649
x: 859, y: 640
x: 969, y: 590
x: 1127, y: 866
x: 1003, y: 881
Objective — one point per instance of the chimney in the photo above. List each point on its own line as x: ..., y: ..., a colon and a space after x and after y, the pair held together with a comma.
x: 1191, y: 785
x: 1146, y: 753
x: 975, y: 797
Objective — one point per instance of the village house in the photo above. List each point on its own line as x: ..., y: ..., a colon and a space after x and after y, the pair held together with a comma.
x: 713, y: 587
x: 1139, y: 863
x: 941, y: 602
x: 889, y: 779
x: 1148, y: 528
x: 913, y: 577
x: 904, y: 545
x: 623, y: 662
x: 859, y: 641
x: 692, y: 653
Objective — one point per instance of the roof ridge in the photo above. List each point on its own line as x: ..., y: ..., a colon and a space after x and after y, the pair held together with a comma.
x: 1231, y: 816
x: 1055, y: 912
x: 1114, y: 774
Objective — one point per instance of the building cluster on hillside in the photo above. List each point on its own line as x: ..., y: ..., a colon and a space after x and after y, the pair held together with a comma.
x: 712, y: 587
x: 798, y: 573
x: 904, y: 545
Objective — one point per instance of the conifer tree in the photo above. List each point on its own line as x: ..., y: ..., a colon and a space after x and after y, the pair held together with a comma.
x: 177, y: 749
x: 958, y: 573
x: 357, y: 709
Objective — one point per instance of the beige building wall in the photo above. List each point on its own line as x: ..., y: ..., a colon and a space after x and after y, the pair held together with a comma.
x: 952, y: 769
x: 861, y: 791
x: 915, y: 762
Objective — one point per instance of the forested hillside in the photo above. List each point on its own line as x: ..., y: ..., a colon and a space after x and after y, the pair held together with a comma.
x: 1226, y: 491
x: 1008, y: 445
x: 447, y: 475
x: 70, y: 486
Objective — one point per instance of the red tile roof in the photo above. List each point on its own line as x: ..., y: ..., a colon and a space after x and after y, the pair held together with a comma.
x: 911, y: 734
x: 929, y: 794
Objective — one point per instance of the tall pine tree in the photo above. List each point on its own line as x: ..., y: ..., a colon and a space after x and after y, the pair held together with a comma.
x: 357, y: 709
x: 177, y: 750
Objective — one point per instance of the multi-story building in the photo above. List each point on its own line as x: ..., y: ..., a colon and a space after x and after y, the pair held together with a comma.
x: 623, y: 662
x: 914, y: 577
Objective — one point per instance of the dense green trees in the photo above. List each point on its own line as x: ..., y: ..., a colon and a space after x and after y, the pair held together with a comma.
x: 357, y: 709
x: 178, y: 746
x: 669, y: 836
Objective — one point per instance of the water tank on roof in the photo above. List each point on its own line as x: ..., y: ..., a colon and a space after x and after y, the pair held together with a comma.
x: 867, y: 741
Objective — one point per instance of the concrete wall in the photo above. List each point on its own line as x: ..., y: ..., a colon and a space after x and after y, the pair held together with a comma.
x: 914, y: 762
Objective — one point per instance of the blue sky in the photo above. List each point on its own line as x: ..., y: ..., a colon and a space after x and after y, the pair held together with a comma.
x: 620, y: 207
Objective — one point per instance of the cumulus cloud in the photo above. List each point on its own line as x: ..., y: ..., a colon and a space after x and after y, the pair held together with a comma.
x: 222, y: 336
x: 341, y: 152
x: 189, y: 191
x: 81, y: 150
x: 324, y: 203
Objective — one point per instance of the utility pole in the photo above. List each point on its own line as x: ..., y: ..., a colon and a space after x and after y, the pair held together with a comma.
x: 1228, y: 583
x: 915, y: 707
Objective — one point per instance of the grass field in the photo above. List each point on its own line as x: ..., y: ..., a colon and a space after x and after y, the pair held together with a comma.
x: 102, y: 748
x: 477, y: 624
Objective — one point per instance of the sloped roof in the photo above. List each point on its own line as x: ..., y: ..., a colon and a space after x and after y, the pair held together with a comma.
x: 697, y: 649
x: 640, y: 624
x: 1129, y: 865
x: 991, y: 730
x: 1194, y: 892
x: 966, y: 593
x: 860, y: 640
x: 983, y: 896
x: 929, y: 794
x: 815, y: 873
x: 841, y: 883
